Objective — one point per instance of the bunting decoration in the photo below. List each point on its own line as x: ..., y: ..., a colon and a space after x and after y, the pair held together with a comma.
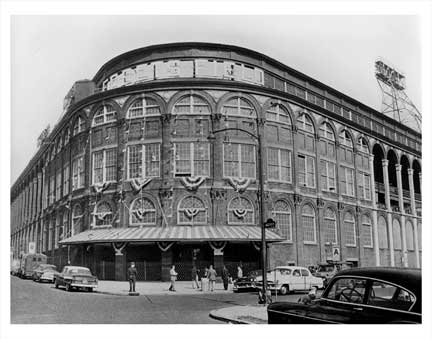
x: 256, y: 245
x: 138, y: 184
x: 192, y: 183
x: 100, y: 187
x: 240, y: 212
x: 239, y: 184
x: 217, y: 245
x: 118, y: 247
x: 102, y: 215
x: 191, y: 212
x: 165, y: 245
x: 139, y: 214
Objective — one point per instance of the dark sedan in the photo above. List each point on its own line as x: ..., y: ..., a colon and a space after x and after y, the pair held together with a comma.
x: 377, y: 295
x: 75, y: 277
x: 44, y: 272
x: 246, y: 283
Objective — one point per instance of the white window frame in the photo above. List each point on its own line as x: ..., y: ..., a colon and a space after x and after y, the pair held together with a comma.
x: 104, y: 168
x: 105, y: 113
x: 144, y: 107
x: 143, y: 160
x: 305, y: 157
x: 76, y: 218
x: 344, y: 173
x: 308, y: 242
x: 279, y: 151
x: 181, y: 210
x: 326, y: 218
x: 94, y: 216
x: 279, y: 111
x: 239, y: 108
x: 132, y: 209
x: 361, y: 186
x: 288, y: 213
x: 80, y: 170
x: 79, y: 122
x: 191, y: 159
x: 327, y: 176
x: 192, y: 105
x: 369, y: 225
x: 345, y: 224
x: 239, y: 161
x: 249, y: 210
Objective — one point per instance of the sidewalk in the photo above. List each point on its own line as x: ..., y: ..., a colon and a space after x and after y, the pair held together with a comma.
x: 241, y: 314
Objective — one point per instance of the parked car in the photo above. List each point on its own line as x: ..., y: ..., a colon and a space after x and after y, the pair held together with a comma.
x: 15, y: 266
x: 327, y: 270
x: 374, y: 295
x: 285, y: 279
x: 29, y: 262
x: 75, y: 277
x: 44, y: 272
x: 247, y: 283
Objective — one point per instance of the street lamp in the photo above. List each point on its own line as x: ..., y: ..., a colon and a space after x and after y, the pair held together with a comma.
x: 260, y: 196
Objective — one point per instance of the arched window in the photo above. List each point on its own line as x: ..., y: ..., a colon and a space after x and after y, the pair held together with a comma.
x: 346, y: 147
x: 282, y: 216
x: 349, y: 228
x: 143, y: 107
x: 397, y: 235
x: 306, y: 133
x: 191, y: 104
x: 309, y: 224
x: 102, y: 215
x: 362, y: 145
x: 104, y: 114
x: 192, y: 210
x: 77, y: 215
x: 240, y: 211
x: 238, y: 106
x: 304, y: 123
x: 367, y: 231
x: 279, y: 113
x: 409, y: 235
x: 330, y: 231
x: 327, y: 141
x: 66, y: 136
x: 79, y: 126
x: 142, y: 212
x: 382, y: 233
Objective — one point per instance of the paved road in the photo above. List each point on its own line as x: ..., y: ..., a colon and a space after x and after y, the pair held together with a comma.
x: 35, y: 303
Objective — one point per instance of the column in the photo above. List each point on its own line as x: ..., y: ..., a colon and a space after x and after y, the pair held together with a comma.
x: 120, y: 265
x: 218, y: 261
x: 401, y: 208
x: 166, y: 263
x: 389, y: 211
x: 374, y: 211
x: 414, y: 211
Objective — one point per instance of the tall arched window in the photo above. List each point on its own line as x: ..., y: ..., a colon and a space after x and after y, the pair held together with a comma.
x: 397, y: 235
x: 65, y: 233
x: 191, y: 104
x: 409, y: 235
x: 327, y: 141
x: 382, y: 233
x: 77, y: 215
x: 102, y: 215
x: 79, y: 126
x: 279, y: 113
x: 367, y: 231
x: 306, y: 133
x: 309, y: 224
x: 346, y: 147
x: 66, y: 136
x: 349, y: 228
x: 238, y: 106
x: 328, y: 158
x: 142, y: 212
x: 240, y: 211
x: 142, y: 107
x: 282, y: 216
x: 104, y: 114
x: 330, y: 230
x: 192, y: 210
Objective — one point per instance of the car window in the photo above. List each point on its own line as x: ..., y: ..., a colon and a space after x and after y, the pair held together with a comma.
x: 390, y: 296
x: 305, y: 273
x: 325, y: 269
x: 350, y: 290
x: 285, y: 271
x: 64, y: 270
x: 296, y: 273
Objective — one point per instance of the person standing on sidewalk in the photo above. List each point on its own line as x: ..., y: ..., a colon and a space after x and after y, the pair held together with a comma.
x: 212, y: 277
x: 132, y: 276
x: 225, y: 277
x: 194, y: 277
x: 239, y: 272
x: 204, y: 280
x: 173, y: 276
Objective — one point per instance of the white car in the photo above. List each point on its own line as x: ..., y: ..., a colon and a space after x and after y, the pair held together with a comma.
x: 285, y: 279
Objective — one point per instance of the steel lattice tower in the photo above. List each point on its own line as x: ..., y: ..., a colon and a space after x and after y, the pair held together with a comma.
x: 395, y: 102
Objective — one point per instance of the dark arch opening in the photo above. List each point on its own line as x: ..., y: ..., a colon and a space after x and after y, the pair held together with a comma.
x: 392, y: 161
x: 378, y: 173
x: 416, y: 176
x: 405, y: 166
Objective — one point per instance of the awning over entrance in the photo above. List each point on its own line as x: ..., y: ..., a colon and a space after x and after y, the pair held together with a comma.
x: 174, y: 233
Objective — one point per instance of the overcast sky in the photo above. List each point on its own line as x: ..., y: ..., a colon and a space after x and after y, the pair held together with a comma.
x: 49, y: 53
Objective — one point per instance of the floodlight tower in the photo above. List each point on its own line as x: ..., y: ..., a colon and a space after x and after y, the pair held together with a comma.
x: 395, y: 102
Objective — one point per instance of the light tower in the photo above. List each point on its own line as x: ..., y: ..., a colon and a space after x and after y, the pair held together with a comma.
x: 395, y: 102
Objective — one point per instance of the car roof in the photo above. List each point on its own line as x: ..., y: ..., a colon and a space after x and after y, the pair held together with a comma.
x: 290, y: 267
x: 410, y: 278
x: 77, y: 267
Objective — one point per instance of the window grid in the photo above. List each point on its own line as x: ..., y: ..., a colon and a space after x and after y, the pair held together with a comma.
x: 328, y: 176
x: 191, y: 104
x: 105, y: 166
x: 346, y: 147
x: 78, y: 173
x: 66, y: 179
x: 364, y: 185
x: 104, y: 114
x: 349, y: 226
x: 239, y: 160
x: 397, y: 235
x: 192, y: 210
x: 278, y: 113
x: 367, y: 231
x: 309, y: 227
x: 192, y: 159
x: 327, y: 141
x: 58, y: 185
x: 143, y: 107
x: 330, y: 230
x: 279, y: 165
x: 239, y: 107
x: 102, y: 215
x: 347, y: 181
x: 282, y: 215
x: 76, y: 219
x: 306, y: 175
x: 142, y: 212
x: 240, y: 211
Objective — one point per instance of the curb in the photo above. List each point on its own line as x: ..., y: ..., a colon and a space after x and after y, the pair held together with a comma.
x: 229, y: 320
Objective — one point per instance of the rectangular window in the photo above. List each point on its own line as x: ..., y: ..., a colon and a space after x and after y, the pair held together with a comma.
x: 279, y: 164
x: 51, y: 189
x: 78, y: 173
x: 367, y: 234
x: 239, y: 160
x: 105, y: 166
x: 364, y: 185
x: 328, y: 176
x: 58, y: 184
x: 191, y: 159
x: 347, y: 181
x: 306, y: 173
x: 66, y: 179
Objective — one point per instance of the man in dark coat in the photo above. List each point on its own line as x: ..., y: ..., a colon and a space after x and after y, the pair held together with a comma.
x: 132, y: 276
x: 225, y: 277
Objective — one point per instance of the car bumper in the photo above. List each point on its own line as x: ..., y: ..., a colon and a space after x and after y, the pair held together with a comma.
x: 83, y: 285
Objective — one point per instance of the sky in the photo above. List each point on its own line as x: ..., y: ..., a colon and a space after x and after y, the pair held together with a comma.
x: 50, y: 53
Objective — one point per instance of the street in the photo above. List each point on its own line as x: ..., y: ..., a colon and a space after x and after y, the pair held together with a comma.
x: 36, y: 303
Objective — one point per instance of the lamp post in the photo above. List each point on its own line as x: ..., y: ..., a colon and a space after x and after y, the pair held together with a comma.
x: 260, y: 194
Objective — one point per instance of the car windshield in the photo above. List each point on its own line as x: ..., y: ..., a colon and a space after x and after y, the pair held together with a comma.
x: 84, y: 271
x: 325, y: 269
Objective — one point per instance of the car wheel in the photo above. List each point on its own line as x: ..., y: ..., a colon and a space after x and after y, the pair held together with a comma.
x: 68, y: 287
x: 284, y: 290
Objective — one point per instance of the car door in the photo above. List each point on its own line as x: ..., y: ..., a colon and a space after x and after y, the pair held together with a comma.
x: 62, y: 275
x: 297, y: 281
x: 306, y: 275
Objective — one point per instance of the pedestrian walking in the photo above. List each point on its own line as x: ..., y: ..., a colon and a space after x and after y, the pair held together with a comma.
x: 212, y: 277
x: 194, y: 277
x: 173, y: 276
x: 132, y: 275
x: 239, y: 272
x: 225, y: 277
x: 204, y: 280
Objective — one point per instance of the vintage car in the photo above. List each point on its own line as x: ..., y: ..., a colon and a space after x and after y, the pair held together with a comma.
x: 374, y: 295
x: 246, y: 283
x: 75, y: 277
x: 44, y: 272
x: 285, y: 279
x: 327, y: 270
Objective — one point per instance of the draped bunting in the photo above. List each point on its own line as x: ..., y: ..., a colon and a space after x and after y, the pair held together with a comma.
x: 118, y: 247
x: 240, y: 212
x: 137, y: 184
x: 165, y: 245
x: 191, y: 212
x: 192, y: 183
x: 256, y: 245
x: 100, y: 187
x: 239, y: 184
x: 101, y: 215
x: 139, y: 214
x: 217, y: 245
